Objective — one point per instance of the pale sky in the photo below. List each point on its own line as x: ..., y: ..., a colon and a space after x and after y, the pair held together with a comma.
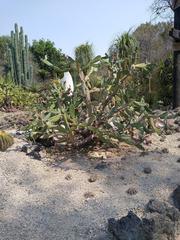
x: 69, y: 23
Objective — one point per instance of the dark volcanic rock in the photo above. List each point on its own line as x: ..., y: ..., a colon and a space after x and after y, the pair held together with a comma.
x: 147, y: 170
x: 155, y: 206
x: 132, y: 191
x: 24, y: 148
x: 165, y: 150
x: 131, y: 227
x: 162, y: 222
x: 35, y: 155
x: 101, y: 166
x: 176, y: 197
x: 178, y: 129
x: 32, y: 151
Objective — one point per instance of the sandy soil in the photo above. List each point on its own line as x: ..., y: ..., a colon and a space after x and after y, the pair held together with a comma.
x: 43, y: 202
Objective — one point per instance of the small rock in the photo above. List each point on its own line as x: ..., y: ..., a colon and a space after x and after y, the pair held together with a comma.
x: 24, y: 148
x: 176, y: 197
x: 178, y: 129
x: 101, y: 166
x: 19, y: 133
x: 92, y: 178
x: 178, y: 161
x: 132, y: 191
x: 145, y: 153
x: 162, y: 139
x: 35, y: 155
x: 68, y: 177
x: 178, y: 146
x: 89, y: 195
x: 122, y: 177
x: 168, y: 132
x: 177, y: 121
x: 165, y: 150
x: 147, y: 170
x: 155, y: 206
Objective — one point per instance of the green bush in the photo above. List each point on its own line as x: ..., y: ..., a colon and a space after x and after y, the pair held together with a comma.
x: 12, y: 95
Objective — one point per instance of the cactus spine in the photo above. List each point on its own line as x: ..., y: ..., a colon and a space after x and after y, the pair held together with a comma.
x: 21, y: 69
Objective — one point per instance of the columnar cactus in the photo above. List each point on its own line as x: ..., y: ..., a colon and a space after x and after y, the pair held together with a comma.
x: 21, y: 69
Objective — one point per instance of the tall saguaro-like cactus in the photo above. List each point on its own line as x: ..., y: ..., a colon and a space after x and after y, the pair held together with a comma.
x: 21, y: 69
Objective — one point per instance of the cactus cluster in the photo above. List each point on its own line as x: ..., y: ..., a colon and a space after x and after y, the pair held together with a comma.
x: 18, y: 51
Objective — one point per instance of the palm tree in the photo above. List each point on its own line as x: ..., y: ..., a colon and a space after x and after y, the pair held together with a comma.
x: 124, y: 49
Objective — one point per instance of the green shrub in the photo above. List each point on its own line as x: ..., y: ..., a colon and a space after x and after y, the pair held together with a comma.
x: 12, y: 95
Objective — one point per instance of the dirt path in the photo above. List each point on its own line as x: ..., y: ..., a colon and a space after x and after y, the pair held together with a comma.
x: 40, y: 202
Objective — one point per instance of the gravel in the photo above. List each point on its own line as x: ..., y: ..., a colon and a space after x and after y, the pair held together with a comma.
x: 37, y: 202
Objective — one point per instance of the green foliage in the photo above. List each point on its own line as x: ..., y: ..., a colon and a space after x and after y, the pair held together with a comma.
x: 83, y: 55
x: 155, y: 83
x: 105, y: 114
x: 4, y: 42
x: 45, y: 48
x: 124, y: 49
x: 6, y: 140
x: 12, y: 95
x: 19, y: 60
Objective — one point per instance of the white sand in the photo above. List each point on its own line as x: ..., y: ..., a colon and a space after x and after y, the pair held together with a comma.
x: 38, y: 203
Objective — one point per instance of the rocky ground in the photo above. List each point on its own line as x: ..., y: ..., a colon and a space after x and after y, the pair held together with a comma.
x: 72, y: 197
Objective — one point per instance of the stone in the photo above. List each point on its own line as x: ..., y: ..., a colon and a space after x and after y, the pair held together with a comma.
x: 92, y: 178
x: 178, y: 161
x: 131, y: 227
x: 122, y: 177
x: 162, y: 139
x: 144, y: 153
x: 24, y: 148
x: 176, y: 197
x: 177, y: 121
x: 35, y: 155
x: 89, y: 195
x: 32, y: 151
x: 161, y: 222
x: 155, y: 206
x: 132, y: 191
x: 177, y: 129
x: 101, y: 166
x: 168, y: 132
x: 68, y: 177
x: 165, y: 150
x: 147, y: 170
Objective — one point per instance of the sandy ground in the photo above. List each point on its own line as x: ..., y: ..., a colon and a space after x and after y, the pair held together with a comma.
x: 41, y: 202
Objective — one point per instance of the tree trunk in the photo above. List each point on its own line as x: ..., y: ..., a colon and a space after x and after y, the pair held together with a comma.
x: 176, y: 102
